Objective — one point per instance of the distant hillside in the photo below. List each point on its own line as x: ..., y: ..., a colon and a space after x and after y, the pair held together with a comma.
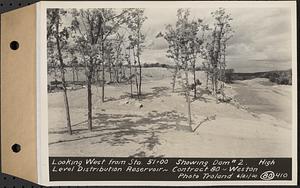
x: 283, y: 77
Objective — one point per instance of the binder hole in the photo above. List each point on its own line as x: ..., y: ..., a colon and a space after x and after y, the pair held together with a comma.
x: 10, y: 4
x: 20, y: 4
x: 14, y: 45
x: 16, y: 148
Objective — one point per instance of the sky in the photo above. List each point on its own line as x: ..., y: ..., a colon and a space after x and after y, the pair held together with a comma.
x: 262, y: 40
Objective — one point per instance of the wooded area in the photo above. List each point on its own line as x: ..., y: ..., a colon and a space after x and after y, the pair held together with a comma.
x: 111, y: 41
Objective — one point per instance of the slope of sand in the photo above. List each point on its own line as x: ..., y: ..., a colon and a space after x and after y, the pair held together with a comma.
x: 262, y: 96
x: 121, y: 127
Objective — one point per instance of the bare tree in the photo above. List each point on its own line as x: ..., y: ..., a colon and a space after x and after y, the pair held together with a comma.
x: 196, y: 41
x: 183, y: 49
x: 92, y: 28
x: 171, y: 36
x: 216, y: 49
x: 195, y: 44
x: 57, y: 43
x: 128, y: 59
x: 110, y: 58
x: 119, y: 40
x: 137, y: 38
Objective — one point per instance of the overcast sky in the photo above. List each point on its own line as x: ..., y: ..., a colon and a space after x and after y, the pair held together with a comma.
x: 262, y: 39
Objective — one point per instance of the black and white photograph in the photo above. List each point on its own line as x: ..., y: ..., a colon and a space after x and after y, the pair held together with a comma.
x: 161, y: 82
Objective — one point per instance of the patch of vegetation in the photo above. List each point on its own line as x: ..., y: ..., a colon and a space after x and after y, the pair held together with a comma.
x: 229, y: 75
x: 150, y: 65
x: 283, y: 77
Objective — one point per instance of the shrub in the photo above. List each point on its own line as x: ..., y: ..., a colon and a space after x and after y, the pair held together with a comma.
x: 228, y: 75
x: 281, y: 77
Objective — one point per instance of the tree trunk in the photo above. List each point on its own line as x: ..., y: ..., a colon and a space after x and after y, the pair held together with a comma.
x: 140, y: 77
x: 124, y: 71
x: 217, y: 59
x: 66, y: 101
x: 174, y: 79
x: 76, y: 75
x: 73, y: 74
x: 188, y: 100
x: 103, y: 81
x: 117, y: 73
x: 195, y: 84
x: 130, y: 76
x: 110, y: 73
x: 137, y: 83
x: 63, y: 81
x: 214, y: 82
x: 176, y: 68
x: 135, y: 73
x: 96, y: 76
x: 89, y: 92
x: 138, y: 57
x: 224, y: 71
x: 207, y: 79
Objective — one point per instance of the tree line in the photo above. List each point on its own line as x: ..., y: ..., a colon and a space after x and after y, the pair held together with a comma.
x: 106, y: 40
x: 282, y: 77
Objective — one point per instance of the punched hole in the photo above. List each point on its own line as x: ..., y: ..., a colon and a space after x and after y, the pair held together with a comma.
x: 16, y: 148
x: 14, y: 45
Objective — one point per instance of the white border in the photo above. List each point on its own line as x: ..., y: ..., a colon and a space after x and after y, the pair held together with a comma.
x: 295, y: 92
x: 42, y: 93
x: 42, y: 97
x: 38, y: 91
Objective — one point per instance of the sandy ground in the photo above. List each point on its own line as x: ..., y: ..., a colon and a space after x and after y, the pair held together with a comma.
x: 262, y: 96
x: 256, y: 123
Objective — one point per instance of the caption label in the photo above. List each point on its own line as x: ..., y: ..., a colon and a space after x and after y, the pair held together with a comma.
x: 169, y: 169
